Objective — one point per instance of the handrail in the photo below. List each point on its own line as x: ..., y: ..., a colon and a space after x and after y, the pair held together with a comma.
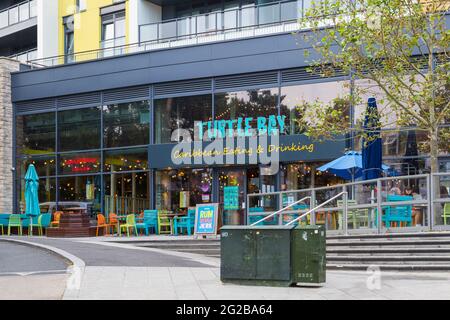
x: 30, y: 14
x: 281, y: 210
x: 321, y: 205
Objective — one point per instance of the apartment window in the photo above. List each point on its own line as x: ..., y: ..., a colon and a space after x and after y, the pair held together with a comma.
x: 81, y: 5
x: 113, y: 33
x: 68, y: 40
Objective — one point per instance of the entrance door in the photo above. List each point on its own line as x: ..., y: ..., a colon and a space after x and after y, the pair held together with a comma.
x: 232, y: 193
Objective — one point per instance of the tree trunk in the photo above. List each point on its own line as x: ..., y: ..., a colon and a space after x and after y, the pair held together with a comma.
x: 434, y: 150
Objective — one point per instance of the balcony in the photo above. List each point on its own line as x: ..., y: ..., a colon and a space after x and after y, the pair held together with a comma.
x: 18, y: 13
x: 241, y: 22
x: 24, y: 57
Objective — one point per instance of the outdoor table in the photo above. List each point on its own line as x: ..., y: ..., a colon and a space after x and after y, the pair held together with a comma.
x: 76, y: 210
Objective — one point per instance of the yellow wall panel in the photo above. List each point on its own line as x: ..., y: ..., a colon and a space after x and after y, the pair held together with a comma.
x: 87, y: 26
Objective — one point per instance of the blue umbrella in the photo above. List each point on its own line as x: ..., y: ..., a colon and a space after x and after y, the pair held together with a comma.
x: 371, y: 149
x: 31, y: 194
x: 349, y: 166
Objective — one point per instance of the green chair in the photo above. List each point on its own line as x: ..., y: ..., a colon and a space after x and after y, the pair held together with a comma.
x: 357, y: 215
x: 446, y: 213
x: 129, y: 223
x: 164, y: 223
x: 14, y: 221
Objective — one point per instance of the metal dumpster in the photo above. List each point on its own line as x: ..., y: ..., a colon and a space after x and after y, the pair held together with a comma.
x: 273, y: 255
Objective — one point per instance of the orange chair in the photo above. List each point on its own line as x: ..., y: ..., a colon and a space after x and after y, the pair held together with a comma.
x: 101, y: 223
x: 113, y: 221
x: 56, y: 217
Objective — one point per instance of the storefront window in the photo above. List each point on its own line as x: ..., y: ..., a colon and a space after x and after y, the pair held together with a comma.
x: 303, y: 175
x: 35, y: 134
x: 81, y: 189
x: 44, y: 165
x: 177, y: 190
x: 246, y: 104
x: 180, y: 113
x: 126, y: 124
x: 294, y: 99
x: 126, y: 193
x: 79, y: 163
x: 126, y: 160
x: 79, y: 129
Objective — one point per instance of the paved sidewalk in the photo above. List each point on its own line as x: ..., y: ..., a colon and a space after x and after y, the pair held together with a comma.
x: 204, y: 283
x: 33, y: 287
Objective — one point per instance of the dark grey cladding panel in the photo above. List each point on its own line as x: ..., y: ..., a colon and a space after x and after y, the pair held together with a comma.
x: 196, y: 62
x: 126, y: 94
x: 180, y: 87
x: 79, y: 100
x: 302, y: 74
x: 35, y: 106
x: 247, y: 80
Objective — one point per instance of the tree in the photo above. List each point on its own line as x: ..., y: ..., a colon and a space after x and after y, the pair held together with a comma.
x: 400, y: 47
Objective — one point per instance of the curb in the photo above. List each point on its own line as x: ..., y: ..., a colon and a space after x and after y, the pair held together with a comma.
x: 76, y: 262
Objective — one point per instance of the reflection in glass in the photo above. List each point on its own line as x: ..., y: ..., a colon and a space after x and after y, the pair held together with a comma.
x: 294, y: 100
x: 126, y: 160
x: 79, y: 163
x: 35, y: 133
x: 126, y: 124
x: 126, y: 193
x: 243, y: 104
x: 81, y: 189
x: 180, y: 113
x: 177, y: 190
x: 79, y: 129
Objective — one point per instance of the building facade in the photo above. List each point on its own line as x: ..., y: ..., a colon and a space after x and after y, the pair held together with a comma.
x: 98, y: 118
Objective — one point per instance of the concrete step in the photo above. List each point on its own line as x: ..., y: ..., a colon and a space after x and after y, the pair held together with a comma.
x: 435, y: 234
x: 400, y: 250
x: 405, y: 242
x: 384, y: 258
x: 390, y: 267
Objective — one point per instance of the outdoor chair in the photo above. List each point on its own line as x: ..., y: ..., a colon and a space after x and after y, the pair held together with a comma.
x: 187, y: 223
x: 15, y: 221
x: 33, y: 223
x: 113, y: 222
x: 56, y: 218
x: 446, y: 213
x: 101, y: 223
x: 150, y: 220
x: 130, y: 223
x: 44, y: 222
x: 164, y: 223
x: 357, y: 216
x: 398, y: 213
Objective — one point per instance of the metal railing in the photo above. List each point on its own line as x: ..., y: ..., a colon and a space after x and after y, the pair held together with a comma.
x: 125, y: 205
x: 213, y: 23
x: 25, y: 56
x: 18, y: 13
x: 280, y: 211
x: 427, y: 208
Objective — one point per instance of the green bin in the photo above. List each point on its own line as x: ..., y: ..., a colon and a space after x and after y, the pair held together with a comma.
x: 273, y: 255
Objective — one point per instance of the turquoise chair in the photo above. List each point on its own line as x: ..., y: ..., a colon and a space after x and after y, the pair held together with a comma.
x: 150, y: 221
x: 187, y: 222
x: 4, y: 220
x: 254, y: 218
x: 396, y: 213
x: 15, y: 221
x: 43, y: 221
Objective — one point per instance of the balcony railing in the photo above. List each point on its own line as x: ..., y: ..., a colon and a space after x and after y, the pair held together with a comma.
x: 25, y: 56
x: 18, y: 13
x: 214, y: 23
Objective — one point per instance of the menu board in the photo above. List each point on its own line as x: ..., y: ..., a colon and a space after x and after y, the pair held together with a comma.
x: 231, y: 198
x: 206, y: 219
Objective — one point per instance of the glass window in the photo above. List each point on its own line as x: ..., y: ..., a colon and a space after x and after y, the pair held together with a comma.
x: 45, y: 165
x: 180, y: 113
x: 69, y: 46
x: 85, y: 189
x: 79, y: 163
x: 295, y: 98
x: 245, y: 104
x: 126, y: 124
x: 303, y: 175
x: 79, y: 129
x: 35, y: 134
x: 126, y: 193
x: 177, y: 190
x: 126, y: 160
